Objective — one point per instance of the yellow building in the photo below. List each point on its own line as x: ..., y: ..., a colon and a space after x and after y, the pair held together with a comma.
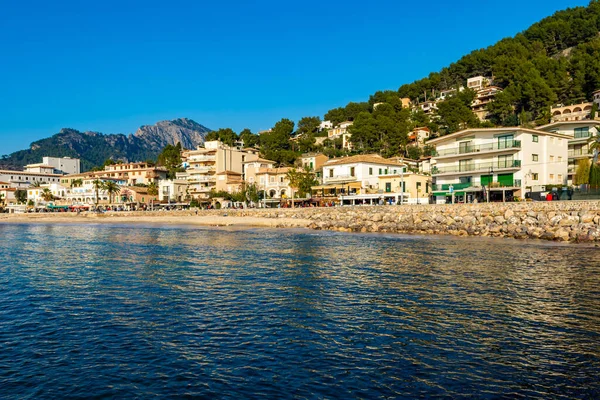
x: 417, y: 187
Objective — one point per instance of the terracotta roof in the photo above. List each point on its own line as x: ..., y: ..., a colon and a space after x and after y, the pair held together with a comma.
x: 263, y: 160
x: 365, y: 158
x: 282, y: 170
x: 229, y: 173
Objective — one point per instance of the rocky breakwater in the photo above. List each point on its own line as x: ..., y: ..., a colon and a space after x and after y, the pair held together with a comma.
x: 561, y: 221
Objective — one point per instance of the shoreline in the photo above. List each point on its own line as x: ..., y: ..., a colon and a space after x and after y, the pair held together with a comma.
x: 568, y: 222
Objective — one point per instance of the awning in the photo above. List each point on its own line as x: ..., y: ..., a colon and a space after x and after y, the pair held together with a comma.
x: 338, y: 186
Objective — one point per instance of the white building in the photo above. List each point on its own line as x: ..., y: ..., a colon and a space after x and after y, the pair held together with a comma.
x: 356, y: 179
x: 172, y: 190
x: 63, y: 165
x: 339, y: 130
x: 498, y: 163
x: 580, y: 133
x: 24, y: 179
x: 478, y: 82
x: 35, y: 194
x: 325, y: 125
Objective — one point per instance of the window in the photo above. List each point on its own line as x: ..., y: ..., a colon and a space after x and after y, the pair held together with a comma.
x: 551, y: 158
x: 559, y: 158
x: 534, y: 157
x: 535, y: 138
x: 560, y: 178
x: 551, y: 177
x: 351, y: 171
x: 582, y: 132
x: 552, y: 140
x: 418, y: 187
x: 386, y: 171
x: 331, y: 173
x: 281, y: 179
x: 370, y: 171
x: 388, y: 187
x: 534, y: 176
x: 379, y: 171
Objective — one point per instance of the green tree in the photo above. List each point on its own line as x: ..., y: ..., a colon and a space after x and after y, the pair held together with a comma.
x: 336, y: 115
x: 47, y: 195
x: 98, y: 185
x: 76, y: 183
x: 251, y: 193
x: 301, y: 181
x: 225, y: 135
x: 249, y: 138
x: 21, y: 196
x: 152, y: 189
x: 308, y: 125
x: 112, y: 188
x: 582, y: 173
x: 275, y: 145
x: 595, y: 175
x: 455, y: 113
x: 413, y: 152
x: 170, y: 158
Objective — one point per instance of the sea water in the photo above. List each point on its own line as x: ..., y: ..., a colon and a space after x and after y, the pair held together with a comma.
x: 101, y: 311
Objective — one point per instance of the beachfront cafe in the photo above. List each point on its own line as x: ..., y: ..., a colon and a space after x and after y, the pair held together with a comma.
x: 352, y: 194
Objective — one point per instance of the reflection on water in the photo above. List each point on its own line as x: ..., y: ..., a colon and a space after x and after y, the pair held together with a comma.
x: 144, y: 311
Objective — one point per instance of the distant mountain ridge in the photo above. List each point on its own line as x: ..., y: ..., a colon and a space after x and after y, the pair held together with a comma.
x: 93, y: 148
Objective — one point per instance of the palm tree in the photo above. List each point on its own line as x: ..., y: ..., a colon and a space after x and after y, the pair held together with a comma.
x: 76, y: 183
x: 36, y: 184
x: 98, y: 184
x: 111, y: 188
x: 47, y: 195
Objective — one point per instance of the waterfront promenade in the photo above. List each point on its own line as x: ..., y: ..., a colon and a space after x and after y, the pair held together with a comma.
x: 575, y: 221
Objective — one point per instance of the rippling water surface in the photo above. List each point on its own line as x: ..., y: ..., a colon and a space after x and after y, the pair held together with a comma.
x: 142, y: 311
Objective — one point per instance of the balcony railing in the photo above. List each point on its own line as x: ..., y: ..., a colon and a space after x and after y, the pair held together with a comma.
x: 582, y: 135
x: 578, y: 152
x: 477, y: 167
x: 339, y: 178
x: 445, y: 187
x: 201, y: 159
x: 509, y: 144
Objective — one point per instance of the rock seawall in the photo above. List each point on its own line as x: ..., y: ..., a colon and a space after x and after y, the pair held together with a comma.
x: 577, y: 221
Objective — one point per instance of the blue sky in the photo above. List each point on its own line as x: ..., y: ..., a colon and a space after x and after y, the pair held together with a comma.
x: 111, y: 66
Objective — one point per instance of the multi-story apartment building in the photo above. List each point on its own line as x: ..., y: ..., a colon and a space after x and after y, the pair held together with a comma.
x: 580, y: 134
x: 484, y: 97
x: 24, y: 179
x: 498, y: 163
x: 63, y: 165
x: 203, y: 165
x: 131, y: 174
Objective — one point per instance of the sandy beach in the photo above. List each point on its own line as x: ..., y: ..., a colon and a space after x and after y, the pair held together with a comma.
x: 217, y: 218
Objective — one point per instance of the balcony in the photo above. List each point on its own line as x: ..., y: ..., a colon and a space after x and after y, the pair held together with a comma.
x: 196, y: 159
x: 462, y: 186
x: 508, y: 145
x: 575, y: 153
x: 485, y: 167
x: 339, y: 178
x: 201, y: 170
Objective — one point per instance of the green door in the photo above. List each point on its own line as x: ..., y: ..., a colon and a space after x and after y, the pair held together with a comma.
x: 485, y: 180
x: 506, y: 180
